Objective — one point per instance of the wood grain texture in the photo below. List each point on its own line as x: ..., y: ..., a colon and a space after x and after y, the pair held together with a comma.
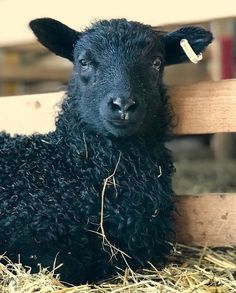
x: 207, y: 219
x: 29, y: 114
x: 206, y: 107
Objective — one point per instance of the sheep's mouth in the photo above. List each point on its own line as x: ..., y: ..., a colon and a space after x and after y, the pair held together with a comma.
x: 121, y: 127
x: 120, y: 123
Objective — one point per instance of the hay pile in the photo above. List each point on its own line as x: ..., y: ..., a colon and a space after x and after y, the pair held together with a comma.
x: 191, y: 270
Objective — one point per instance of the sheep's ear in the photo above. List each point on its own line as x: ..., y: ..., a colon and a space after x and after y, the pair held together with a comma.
x: 56, y: 36
x: 197, y: 37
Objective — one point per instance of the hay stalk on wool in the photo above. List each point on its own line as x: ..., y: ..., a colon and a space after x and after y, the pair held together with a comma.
x: 105, y: 241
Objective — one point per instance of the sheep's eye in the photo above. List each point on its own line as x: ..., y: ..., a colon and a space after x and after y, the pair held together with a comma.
x: 84, y: 63
x: 156, y: 64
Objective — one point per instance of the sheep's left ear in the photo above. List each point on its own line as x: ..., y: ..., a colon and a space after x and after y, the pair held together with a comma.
x: 197, y: 37
x: 56, y: 36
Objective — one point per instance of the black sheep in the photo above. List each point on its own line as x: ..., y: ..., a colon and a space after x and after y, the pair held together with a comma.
x: 96, y: 194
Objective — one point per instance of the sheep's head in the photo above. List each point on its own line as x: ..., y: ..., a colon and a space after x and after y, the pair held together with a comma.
x: 118, y: 68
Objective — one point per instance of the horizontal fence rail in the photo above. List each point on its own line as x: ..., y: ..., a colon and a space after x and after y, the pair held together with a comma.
x: 206, y: 107
x: 206, y: 219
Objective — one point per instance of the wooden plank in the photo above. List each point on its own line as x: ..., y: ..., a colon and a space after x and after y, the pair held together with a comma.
x: 79, y: 14
x: 206, y: 107
x: 207, y: 219
x: 29, y: 113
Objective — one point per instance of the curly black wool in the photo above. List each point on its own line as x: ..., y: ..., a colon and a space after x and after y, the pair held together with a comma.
x: 51, y: 185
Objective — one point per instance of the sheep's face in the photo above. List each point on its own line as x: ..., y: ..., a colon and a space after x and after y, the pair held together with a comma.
x: 118, y: 67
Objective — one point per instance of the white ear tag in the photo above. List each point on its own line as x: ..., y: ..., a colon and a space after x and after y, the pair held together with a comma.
x: 189, y: 52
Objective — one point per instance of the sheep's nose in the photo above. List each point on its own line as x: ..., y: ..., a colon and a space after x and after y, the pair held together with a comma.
x: 123, y: 106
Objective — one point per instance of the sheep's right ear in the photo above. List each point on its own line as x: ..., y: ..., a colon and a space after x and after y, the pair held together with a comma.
x: 197, y: 37
x: 57, y: 37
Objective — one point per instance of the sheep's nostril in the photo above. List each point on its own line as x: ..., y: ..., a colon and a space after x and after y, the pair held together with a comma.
x: 123, y: 105
x: 115, y: 106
